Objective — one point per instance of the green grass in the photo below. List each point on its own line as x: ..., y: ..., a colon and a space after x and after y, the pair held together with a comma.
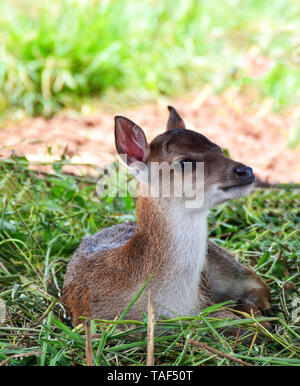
x: 44, y: 218
x: 59, y: 53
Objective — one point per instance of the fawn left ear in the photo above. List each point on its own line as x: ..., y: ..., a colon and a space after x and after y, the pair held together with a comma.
x: 131, y: 140
x: 175, y: 121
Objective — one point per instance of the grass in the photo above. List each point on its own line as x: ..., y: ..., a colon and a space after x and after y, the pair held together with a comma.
x: 44, y: 218
x: 57, y: 54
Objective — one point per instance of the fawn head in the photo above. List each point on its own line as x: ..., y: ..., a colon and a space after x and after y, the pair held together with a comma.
x: 188, y: 156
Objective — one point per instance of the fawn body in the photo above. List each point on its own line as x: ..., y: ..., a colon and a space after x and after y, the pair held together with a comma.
x: 169, y: 240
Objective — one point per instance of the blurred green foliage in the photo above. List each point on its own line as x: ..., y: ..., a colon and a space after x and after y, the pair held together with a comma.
x: 55, y: 53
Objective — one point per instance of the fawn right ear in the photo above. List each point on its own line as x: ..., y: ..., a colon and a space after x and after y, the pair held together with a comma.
x: 131, y: 141
x: 175, y: 121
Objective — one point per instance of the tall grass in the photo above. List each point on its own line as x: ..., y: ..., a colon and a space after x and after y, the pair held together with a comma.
x: 54, y: 53
x: 42, y: 221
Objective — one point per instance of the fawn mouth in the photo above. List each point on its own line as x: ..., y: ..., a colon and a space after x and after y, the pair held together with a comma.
x: 235, y: 186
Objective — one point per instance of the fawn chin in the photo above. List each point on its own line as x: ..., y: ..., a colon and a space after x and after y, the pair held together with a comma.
x: 181, y: 175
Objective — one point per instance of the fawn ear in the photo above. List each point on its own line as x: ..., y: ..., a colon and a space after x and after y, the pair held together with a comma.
x: 131, y: 140
x: 175, y: 121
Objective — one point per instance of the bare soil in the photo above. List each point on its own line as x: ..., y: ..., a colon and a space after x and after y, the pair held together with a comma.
x: 254, y: 136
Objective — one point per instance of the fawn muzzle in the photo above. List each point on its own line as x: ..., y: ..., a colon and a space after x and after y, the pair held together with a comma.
x: 239, y: 176
x: 245, y: 174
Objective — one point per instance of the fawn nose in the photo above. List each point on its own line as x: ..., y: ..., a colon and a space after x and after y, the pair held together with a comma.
x: 244, y: 174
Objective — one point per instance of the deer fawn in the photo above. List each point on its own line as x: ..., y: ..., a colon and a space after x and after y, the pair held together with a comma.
x: 169, y: 241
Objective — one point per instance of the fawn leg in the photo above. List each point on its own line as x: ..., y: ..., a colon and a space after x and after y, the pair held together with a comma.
x: 230, y: 280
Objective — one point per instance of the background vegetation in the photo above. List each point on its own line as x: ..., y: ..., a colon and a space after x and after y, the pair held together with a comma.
x: 55, y: 53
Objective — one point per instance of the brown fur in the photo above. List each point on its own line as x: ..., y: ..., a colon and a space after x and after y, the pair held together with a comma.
x: 102, y: 279
x: 89, y: 292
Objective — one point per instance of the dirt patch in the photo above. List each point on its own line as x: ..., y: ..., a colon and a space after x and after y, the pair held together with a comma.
x: 255, y: 137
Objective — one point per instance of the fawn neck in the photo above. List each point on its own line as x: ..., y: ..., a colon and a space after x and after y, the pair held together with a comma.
x: 177, y: 242
x: 179, y: 234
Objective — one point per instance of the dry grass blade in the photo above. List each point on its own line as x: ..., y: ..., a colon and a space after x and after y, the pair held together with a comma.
x: 23, y: 355
x: 88, y: 344
x: 219, y: 353
x: 256, y: 334
x: 150, y: 332
x: 237, y: 339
